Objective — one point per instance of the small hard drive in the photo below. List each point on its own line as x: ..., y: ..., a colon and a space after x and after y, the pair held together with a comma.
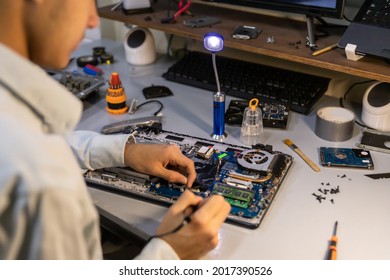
x: 245, y: 32
x: 346, y: 157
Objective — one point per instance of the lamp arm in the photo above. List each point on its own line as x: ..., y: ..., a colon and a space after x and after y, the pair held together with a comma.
x: 216, y: 72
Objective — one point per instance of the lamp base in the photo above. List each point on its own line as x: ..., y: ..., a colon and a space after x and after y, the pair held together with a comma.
x: 218, y: 137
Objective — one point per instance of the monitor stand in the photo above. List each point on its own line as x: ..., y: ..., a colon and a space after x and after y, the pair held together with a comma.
x: 311, y: 40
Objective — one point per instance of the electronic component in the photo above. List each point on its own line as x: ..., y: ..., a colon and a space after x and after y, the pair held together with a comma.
x: 346, y: 157
x: 274, y: 114
x: 205, y: 152
x: 156, y: 92
x: 375, y: 140
x: 249, y: 187
x: 82, y: 86
x: 238, y: 183
x: 255, y: 160
x: 235, y: 197
x: 245, y: 32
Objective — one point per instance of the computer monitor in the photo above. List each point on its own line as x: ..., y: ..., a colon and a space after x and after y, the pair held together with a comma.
x: 316, y: 8
x: 310, y: 8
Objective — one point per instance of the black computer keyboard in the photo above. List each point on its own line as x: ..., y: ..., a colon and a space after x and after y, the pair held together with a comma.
x: 249, y: 80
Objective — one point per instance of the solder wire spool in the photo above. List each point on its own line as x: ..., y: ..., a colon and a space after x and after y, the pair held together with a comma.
x: 116, y: 96
x: 98, y: 51
x: 86, y: 59
x: 107, y: 58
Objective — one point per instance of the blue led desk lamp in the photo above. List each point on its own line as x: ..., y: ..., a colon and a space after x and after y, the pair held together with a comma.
x: 214, y: 43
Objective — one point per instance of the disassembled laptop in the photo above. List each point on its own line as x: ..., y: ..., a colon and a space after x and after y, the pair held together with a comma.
x: 248, y: 178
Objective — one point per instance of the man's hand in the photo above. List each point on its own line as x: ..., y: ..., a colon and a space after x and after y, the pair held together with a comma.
x: 200, y: 234
x: 164, y: 161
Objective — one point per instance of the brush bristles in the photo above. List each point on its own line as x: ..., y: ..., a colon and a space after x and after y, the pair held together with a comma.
x: 288, y: 142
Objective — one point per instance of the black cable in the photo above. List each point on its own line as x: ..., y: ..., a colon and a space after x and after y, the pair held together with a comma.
x: 169, y: 9
x: 347, y: 92
x: 344, y: 16
x: 151, y: 101
x: 169, y: 45
x: 324, y: 27
x: 359, y: 123
x: 355, y: 84
x: 347, y: 19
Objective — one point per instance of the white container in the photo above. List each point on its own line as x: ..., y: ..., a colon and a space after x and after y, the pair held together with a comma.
x: 139, y: 46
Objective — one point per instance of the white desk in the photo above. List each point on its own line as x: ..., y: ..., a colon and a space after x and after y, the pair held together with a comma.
x: 296, y: 226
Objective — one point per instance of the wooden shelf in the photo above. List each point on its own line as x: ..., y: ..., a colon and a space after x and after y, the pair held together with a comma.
x: 286, y: 33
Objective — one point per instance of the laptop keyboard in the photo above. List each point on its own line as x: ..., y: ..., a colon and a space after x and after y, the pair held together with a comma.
x: 375, y: 12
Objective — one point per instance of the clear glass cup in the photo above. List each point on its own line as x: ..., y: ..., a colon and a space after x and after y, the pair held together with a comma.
x: 252, y: 124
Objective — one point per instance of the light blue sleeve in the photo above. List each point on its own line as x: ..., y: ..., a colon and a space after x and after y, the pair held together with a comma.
x: 95, y: 151
x: 157, y: 249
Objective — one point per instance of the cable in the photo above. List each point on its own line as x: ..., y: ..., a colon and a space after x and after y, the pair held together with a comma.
x: 359, y: 123
x: 323, y: 28
x: 182, y: 9
x: 347, y: 19
x: 344, y: 16
x: 170, y: 39
x: 186, y: 220
x: 151, y: 101
x: 345, y: 98
x: 355, y: 84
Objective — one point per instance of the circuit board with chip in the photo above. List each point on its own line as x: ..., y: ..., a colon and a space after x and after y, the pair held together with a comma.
x: 82, y: 86
x: 274, y: 114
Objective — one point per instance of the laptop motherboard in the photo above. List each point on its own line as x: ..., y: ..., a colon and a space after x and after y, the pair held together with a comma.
x: 248, y: 178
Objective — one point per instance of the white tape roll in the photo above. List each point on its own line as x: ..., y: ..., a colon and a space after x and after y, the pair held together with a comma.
x: 334, y: 124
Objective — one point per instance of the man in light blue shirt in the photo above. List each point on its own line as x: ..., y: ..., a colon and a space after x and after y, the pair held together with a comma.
x: 45, y: 208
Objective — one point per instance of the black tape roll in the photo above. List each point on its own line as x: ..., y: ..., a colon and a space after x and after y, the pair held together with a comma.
x: 87, y: 59
x: 107, y: 58
x: 98, y: 51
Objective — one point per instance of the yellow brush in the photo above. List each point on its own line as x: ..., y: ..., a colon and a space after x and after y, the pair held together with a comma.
x: 289, y: 143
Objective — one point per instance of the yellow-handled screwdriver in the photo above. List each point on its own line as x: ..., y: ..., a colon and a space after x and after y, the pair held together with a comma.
x: 332, y: 254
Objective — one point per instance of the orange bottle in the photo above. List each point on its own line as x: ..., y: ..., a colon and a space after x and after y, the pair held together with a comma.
x: 116, y: 96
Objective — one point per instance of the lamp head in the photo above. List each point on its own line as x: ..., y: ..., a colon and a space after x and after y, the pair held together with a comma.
x: 213, y: 41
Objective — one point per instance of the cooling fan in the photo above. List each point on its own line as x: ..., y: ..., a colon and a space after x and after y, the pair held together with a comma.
x: 256, y: 160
